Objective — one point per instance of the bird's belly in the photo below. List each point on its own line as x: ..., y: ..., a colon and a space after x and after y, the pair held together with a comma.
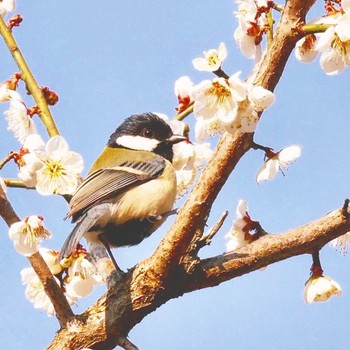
x: 134, y: 215
x: 152, y: 198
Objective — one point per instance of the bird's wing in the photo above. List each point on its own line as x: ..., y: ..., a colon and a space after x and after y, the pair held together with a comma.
x: 110, y: 182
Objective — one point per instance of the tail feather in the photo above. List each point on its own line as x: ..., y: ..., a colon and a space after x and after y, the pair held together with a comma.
x: 85, y: 222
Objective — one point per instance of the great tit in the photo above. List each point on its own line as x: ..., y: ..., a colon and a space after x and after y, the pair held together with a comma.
x: 130, y: 188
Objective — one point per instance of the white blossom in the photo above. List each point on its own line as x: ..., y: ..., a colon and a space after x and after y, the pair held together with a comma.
x: 305, y: 49
x: 25, y: 234
x: 51, y: 258
x: 248, y: 34
x: 29, y: 163
x: 341, y: 243
x: 228, y: 104
x: 334, y: 45
x: 320, y: 289
x: 82, y: 276
x: 188, y: 160
x: 239, y: 236
x: 277, y: 161
x: 212, y: 59
x: 7, y: 94
x: 61, y: 168
x: 19, y: 122
x: 7, y: 6
x: 35, y: 291
x: 183, y: 91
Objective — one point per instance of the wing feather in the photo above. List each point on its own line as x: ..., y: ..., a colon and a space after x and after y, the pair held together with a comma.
x: 111, y: 182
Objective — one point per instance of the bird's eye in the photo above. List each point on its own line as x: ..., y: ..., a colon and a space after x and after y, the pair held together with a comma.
x: 147, y: 133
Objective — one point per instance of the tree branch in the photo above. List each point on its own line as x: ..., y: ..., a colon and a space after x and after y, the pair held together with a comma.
x: 268, y: 250
x: 54, y: 292
x: 27, y: 76
x: 162, y: 276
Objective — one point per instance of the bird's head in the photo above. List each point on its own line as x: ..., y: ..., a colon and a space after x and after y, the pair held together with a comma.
x: 146, y: 132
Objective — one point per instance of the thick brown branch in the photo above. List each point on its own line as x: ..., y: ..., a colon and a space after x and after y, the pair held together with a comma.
x: 140, y: 293
x: 268, y: 250
x: 230, y: 149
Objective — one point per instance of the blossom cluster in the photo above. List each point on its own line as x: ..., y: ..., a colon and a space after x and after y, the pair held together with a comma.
x: 224, y: 103
x: 76, y: 275
x: 333, y: 45
x: 50, y: 168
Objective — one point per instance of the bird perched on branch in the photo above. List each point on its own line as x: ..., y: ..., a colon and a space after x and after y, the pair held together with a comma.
x: 130, y: 188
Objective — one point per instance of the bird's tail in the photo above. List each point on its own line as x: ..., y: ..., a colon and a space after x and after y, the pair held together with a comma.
x: 74, y: 237
x: 85, y: 222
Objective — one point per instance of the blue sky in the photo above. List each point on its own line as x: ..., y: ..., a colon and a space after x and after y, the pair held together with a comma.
x: 112, y: 59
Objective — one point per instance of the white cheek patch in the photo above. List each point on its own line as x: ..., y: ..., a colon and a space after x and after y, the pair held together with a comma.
x: 137, y: 142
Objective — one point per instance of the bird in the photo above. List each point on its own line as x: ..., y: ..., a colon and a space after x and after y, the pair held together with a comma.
x: 130, y: 189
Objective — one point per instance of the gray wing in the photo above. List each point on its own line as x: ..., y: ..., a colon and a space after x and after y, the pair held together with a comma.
x: 110, y: 182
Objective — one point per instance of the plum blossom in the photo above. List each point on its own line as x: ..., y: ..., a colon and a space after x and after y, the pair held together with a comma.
x: 50, y: 256
x: 239, y: 234
x: 277, y: 161
x: 228, y: 104
x: 320, y: 289
x: 252, y: 22
x: 26, y: 234
x: 7, y: 6
x: 334, y: 45
x: 28, y: 161
x: 8, y: 87
x: 188, y: 158
x: 18, y: 118
x: 183, y: 92
x: 61, y: 168
x: 305, y: 49
x: 341, y: 243
x: 212, y: 59
x: 35, y: 291
x: 81, y: 277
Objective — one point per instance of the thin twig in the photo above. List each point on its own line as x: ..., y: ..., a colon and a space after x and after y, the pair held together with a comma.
x: 16, y: 183
x: 207, y: 238
x: 184, y: 113
x: 270, y: 23
x: 345, y: 209
x: 315, y: 28
x: 221, y: 74
x: 8, y: 158
x: 27, y: 76
x: 126, y: 344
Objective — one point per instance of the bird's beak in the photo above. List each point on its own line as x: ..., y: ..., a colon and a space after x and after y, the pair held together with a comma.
x: 177, y: 138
